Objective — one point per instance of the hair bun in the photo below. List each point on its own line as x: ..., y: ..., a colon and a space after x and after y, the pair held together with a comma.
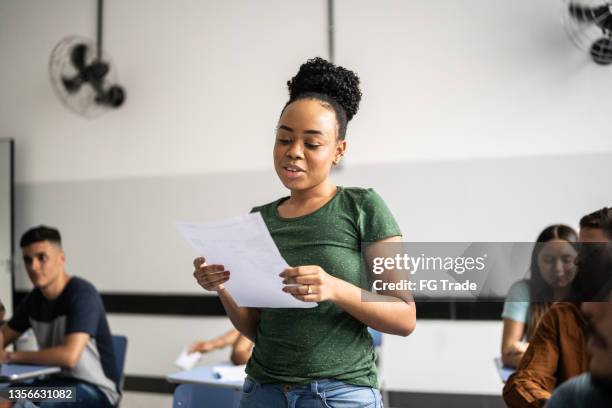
x: 320, y: 76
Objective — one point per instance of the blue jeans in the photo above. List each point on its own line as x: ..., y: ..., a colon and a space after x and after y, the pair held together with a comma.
x: 317, y: 394
x: 87, y: 395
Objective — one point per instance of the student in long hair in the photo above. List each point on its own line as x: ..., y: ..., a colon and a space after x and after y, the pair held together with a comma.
x: 552, y: 272
x: 557, y: 351
x: 322, y: 356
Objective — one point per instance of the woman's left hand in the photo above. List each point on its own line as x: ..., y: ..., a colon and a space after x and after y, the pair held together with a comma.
x: 310, y: 283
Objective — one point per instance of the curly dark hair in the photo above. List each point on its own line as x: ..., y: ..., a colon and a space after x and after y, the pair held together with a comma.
x: 331, y: 84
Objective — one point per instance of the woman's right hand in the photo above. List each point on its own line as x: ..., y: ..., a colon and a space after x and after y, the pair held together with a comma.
x: 210, y: 277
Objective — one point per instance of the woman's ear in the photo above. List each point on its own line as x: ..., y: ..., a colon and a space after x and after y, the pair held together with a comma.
x: 340, y: 150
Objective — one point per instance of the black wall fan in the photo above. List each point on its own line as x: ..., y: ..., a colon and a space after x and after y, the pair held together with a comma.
x: 589, y: 25
x: 83, y: 76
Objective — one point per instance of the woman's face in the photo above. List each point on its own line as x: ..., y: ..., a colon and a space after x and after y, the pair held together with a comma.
x: 556, y: 263
x: 306, y: 144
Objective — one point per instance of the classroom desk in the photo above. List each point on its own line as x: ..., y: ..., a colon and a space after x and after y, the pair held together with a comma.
x: 21, y: 372
x: 199, y: 387
x: 503, y: 371
x: 203, y: 375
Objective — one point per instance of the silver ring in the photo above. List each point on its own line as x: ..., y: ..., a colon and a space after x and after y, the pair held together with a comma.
x: 309, y: 289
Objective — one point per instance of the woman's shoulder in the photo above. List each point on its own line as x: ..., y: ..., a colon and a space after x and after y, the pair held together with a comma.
x: 516, y: 306
x: 268, y: 206
x: 357, y: 192
x: 360, y: 196
x: 519, y: 292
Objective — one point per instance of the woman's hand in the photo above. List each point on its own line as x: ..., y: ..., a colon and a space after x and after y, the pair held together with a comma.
x: 310, y: 283
x: 210, y: 277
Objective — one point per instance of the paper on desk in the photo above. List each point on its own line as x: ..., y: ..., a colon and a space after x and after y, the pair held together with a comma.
x: 186, y: 361
x: 246, y: 249
x: 230, y: 373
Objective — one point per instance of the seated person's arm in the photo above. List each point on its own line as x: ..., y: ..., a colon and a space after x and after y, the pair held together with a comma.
x: 19, y: 323
x: 534, y: 379
x: 241, y: 350
x: 65, y: 355
x: 512, y: 348
x: 224, y: 340
x: 7, y: 336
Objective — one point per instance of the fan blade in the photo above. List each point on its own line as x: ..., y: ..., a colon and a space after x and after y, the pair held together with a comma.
x: 77, y: 56
x: 72, y: 84
x: 600, y: 16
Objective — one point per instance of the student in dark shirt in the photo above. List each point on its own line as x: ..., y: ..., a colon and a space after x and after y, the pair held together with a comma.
x: 68, y: 319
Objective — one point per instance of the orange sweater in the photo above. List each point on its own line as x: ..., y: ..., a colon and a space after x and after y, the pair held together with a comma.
x: 556, y: 353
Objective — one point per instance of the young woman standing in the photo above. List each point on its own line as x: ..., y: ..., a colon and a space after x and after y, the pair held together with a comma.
x: 321, y: 356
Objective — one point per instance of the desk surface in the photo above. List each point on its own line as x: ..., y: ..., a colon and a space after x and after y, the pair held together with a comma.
x: 19, y: 372
x: 504, y: 371
x: 203, y: 375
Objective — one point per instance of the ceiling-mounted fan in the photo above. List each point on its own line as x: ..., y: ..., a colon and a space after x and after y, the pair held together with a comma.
x: 83, y: 76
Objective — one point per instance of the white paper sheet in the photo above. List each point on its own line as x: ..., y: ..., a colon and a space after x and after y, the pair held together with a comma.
x: 230, y: 373
x: 246, y: 249
x: 186, y: 361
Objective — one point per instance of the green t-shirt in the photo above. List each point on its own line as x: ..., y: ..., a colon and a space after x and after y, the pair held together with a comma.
x: 304, y: 345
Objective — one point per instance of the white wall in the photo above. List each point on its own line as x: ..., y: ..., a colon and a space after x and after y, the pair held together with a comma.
x: 205, y: 83
x: 444, y: 83
x: 444, y: 356
x: 470, y: 78
x: 121, y: 234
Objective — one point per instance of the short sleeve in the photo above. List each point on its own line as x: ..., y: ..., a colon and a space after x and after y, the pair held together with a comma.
x: 20, y: 322
x: 375, y: 221
x: 516, y: 306
x: 84, y: 311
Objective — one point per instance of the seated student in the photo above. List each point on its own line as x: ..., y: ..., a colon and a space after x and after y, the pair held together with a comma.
x: 69, y: 322
x: 242, y: 347
x: 552, y: 272
x: 557, y: 349
x: 594, y: 388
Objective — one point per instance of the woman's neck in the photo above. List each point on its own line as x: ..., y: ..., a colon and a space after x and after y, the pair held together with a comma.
x: 304, y: 202
x: 321, y: 192
x: 562, y: 294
